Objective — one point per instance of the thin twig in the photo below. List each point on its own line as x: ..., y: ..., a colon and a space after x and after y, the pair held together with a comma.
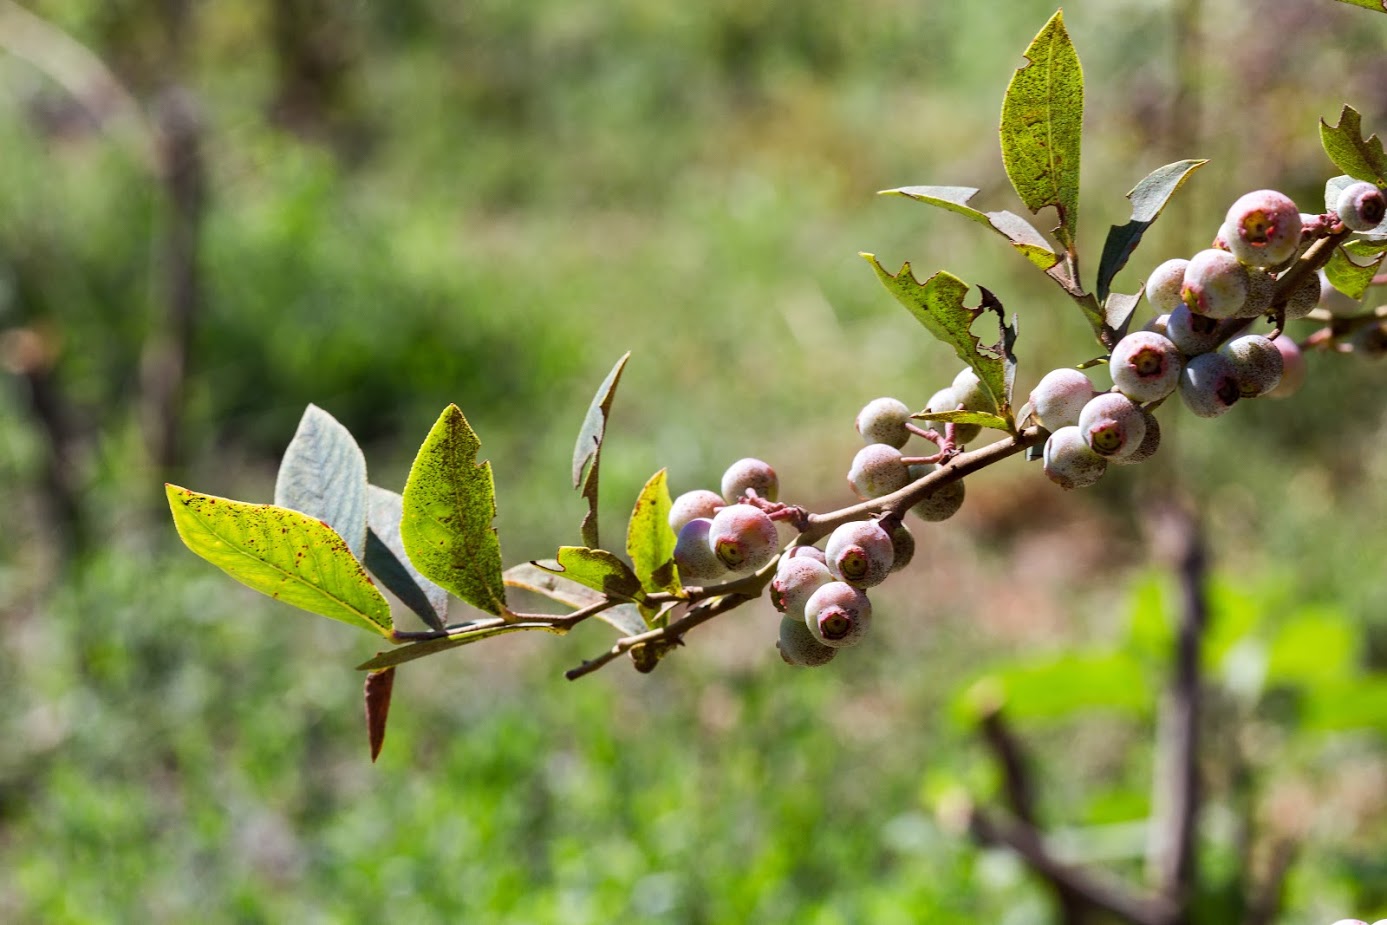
x: 669, y: 634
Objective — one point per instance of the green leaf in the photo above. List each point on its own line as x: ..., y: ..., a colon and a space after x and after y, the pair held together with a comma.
x: 600, y: 570
x: 379, y: 685
x: 286, y: 554
x: 417, y: 650
x: 938, y: 305
x: 1378, y: 5
x: 649, y: 540
x: 1352, y: 702
x: 963, y: 417
x: 1019, y: 232
x: 1356, y: 156
x: 449, y: 504
x: 544, y: 579
x: 588, y: 449
x: 1042, y: 121
x: 386, y: 559
x: 1148, y: 198
x: 1313, y: 647
x: 1058, y: 687
x: 1348, y: 277
x: 323, y: 475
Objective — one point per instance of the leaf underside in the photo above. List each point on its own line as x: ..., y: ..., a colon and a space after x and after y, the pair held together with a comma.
x: 588, y: 449
x: 1018, y: 232
x: 386, y: 559
x: 1149, y: 198
x: 323, y: 475
x: 545, y: 578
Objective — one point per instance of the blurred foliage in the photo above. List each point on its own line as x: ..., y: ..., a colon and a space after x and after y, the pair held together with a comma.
x: 486, y: 203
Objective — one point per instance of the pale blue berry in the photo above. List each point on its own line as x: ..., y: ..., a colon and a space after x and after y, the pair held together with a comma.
x: 750, y: 474
x: 838, y: 615
x: 883, y: 420
x: 1069, y: 462
x: 860, y: 553
x: 743, y: 537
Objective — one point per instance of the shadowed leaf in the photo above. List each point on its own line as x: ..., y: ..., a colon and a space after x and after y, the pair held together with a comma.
x: 1348, y: 277
x: 1378, y: 5
x: 1118, y: 308
x: 1042, y: 120
x: 449, y: 503
x: 1148, y: 198
x: 588, y: 449
x: 600, y: 570
x: 1014, y: 228
x: 544, y: 578
x: 386, y: 559
x: 379, y: 685
x: 286, y: 554
x: 323, y: 475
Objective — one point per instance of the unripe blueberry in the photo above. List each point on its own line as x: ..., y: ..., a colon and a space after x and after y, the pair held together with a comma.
x: 1304, y: 300
x: 1215, y: 284
x: 877, y: 470
x: 940, y: 504
x: 1069, y: 462
x: 1145, y: 366
x: 1158, y: 324
x: 1257, y: 362
x: 750, y: 474
x: 883, y: 420
x: 838, y: 615
x: 903, y: 545
x: 1059, y: 397
x: 1149, y: 444
x: 947, y: 400
x: 691, y: 504
x: 743, y: 537
x: 860, y: 553
x: 1112, y: 425
x: 1292, y: 368
x: 1263, y: 228
x: 1164, y: 284
x: 971, y: 393
x: 1209, y: 385
x: 1261, y: 291
x: 792, y: 585
x: 1193, y: 334
x: 694, y: 556
x: 798, y: 647
x: 799, y: 552
x: 1361, y: 207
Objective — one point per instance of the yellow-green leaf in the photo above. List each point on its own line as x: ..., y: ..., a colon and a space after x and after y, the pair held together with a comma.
x: 649, y: 540
x: 288, y: 555
x: 600, y: 570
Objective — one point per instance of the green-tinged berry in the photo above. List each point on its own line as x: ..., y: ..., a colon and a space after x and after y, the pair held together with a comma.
x: 877, y: 470
x: 1209, y: 385
x: 792, y: 585
x: 1292, y: 368
x: 1361, y: 207
x: 1304, y: 300
x: 1069, y: 462
x: 1149, y: 443
x: 838, y: 615
x: 883, y: 420
x: 743, y: 537
x: 750, y: 474
x: 693, y: 504
x: 1216, y: 284
x: 693, y: 554
x: 1193, y: 334
x: 1257, y: 362
x: 799, y: 648
x: 860, y: 553
x: 1262, y: 228
x: 940, y: 504
x: 1145, y: 366
x: 903, y: 545
x: 1164, y: 284
x: 1112, y: 425
x: 1059, y: 397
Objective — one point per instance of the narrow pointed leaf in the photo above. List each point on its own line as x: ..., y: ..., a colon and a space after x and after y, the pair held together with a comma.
x: 1148, y: 198
x: 449, y: 504
x: 379, y: 685
x: 1359, y: 157
x: 286, y: 554
x: 649, y: 540
x: 937, y: 304
x: 981, y: 418
x: 1019, y: 232
x: 600, y: 570
x: 1042, y: 119
x: 587, y: 452
x: 1348, y: 277
x: 417, y: 650
x: 544, y: 579
x: 386, y: 559
x: 323, y: 475
x: 1379, y: 5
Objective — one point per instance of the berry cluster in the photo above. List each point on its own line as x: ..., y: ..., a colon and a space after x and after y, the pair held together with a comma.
x: 720, y: 536
x: 1195, y: 347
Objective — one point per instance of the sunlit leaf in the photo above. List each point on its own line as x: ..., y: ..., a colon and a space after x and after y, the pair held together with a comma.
x: 1349, y: 702
x: 1359, y: 157
x: 588, y: 449
x: 286, y: 554
x: 649, y: 540
x: 543, y: 578
x: 1378, y: 5
x: 1018, y: 232
x: 600, y: 570
x: 1312, y: 647
x: 386, y: 559
x: 1350, y: 278
x: 379, y: 685
x: 449, y: 504
x: 1057, y: 687
x: 1148, y: 198
x: 1042, y: 121
x: 323, y: 475
x: 963, y: 417
x: 418, y: 650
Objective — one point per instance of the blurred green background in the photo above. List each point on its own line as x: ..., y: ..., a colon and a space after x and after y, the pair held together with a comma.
x: 413, y: 203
